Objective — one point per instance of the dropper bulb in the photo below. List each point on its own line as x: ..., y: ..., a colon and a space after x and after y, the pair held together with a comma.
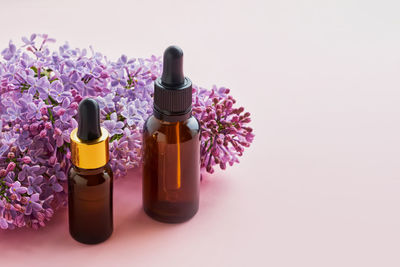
x: 88, y: 120
x: 173, y: 67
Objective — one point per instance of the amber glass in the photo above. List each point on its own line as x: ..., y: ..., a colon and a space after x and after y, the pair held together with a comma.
x: 171, y: 169
x: 90, y: 204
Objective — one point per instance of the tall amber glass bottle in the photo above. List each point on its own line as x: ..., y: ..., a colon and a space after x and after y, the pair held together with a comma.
x: 171, y: 149
x: 90, y: 179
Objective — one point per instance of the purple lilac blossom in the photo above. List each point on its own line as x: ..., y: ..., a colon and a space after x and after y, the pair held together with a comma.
x: 224, y: 128
x: 112, y: 125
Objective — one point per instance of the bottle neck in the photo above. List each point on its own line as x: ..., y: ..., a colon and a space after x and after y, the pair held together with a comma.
x: 89, y: 171
x: 172, y: 117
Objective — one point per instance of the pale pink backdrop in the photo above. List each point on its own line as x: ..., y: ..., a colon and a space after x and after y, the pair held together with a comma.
x: 320, y: 185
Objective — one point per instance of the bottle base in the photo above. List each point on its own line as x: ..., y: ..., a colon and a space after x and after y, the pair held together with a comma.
x: 91, y: 240
x: 169, y: 218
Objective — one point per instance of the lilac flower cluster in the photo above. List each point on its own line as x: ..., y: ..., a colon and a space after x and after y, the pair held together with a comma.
x: 40, y: 92
x: 225, y: 130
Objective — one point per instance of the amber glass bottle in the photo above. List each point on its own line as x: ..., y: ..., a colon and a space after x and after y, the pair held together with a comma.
x: 171, y: 169
x: 90, y: 204
x: 171, y: 149
x: 90, y: 179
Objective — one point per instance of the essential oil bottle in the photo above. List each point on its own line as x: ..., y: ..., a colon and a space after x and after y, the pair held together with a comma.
x: 90, y: 179
x: 171, y: 149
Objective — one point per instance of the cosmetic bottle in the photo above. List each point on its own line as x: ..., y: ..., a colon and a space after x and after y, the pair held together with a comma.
x: 90, y: 179
x: 171, y: 149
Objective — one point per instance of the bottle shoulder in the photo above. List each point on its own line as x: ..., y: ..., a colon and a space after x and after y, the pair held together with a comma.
x: 153, y: 124
x: 157, y: 130
x: 90, y: 176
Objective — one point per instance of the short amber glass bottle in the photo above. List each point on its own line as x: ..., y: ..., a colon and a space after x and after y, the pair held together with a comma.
x: 90, y: 204
x: 171, y: 149
x: 171, y: 169
x: 90, y: 178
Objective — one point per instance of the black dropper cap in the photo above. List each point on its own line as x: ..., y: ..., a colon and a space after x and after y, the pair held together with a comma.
x: 173, y: 91
x: 88, y: 120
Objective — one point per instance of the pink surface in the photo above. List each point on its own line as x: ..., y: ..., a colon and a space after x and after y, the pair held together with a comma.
x: 320, y: 185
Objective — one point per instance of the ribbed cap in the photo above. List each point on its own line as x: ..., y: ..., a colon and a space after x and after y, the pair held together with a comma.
x: 173, y: 91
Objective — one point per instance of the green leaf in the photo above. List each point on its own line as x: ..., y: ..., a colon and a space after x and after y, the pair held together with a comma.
x: 116, y: 137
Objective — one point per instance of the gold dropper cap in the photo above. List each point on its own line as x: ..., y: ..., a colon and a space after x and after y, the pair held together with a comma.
x: 91, y: 154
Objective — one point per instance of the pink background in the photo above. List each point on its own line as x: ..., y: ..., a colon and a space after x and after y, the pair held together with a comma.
x: 320, y: 185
